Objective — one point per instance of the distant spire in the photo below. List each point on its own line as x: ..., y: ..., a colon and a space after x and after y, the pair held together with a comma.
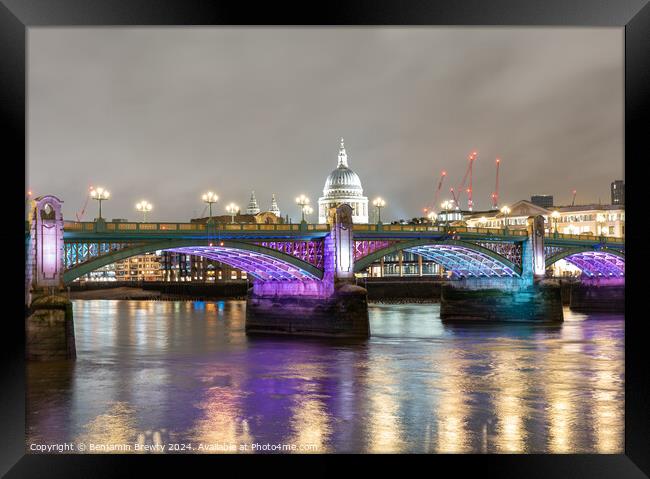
x: 252, y: 208
x: 274, y: 206
x: 343, y: 156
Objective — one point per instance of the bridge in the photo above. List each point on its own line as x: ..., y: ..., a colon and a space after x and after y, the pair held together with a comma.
x: 286, y: 252
x: 317, y: 261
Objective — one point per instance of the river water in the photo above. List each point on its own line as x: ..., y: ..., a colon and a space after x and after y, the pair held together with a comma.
x: 184, y: 376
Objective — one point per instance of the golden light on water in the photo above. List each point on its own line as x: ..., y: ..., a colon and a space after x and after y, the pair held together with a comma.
x: 452, y: 410
x: 221, y: 423
x: 560, y: 396
x: 310, y: 424
x: 607, y: 412
x: 113, y: 428
x: 384, y: 428
x: 509, y: 401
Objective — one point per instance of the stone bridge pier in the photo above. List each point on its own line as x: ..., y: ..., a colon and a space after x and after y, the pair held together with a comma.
x: 49, y: 324
x: 332, y: 306
x: 529, y: 297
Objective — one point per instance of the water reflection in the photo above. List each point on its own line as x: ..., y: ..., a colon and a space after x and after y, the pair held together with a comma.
x: 453, y: 409
x: 510, y: 396
x: 157, y: 372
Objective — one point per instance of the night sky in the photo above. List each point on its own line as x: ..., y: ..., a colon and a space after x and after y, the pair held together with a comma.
x: 165, y: 114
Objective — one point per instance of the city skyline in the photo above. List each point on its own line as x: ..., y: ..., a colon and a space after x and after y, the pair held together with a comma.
x: 167, y: 114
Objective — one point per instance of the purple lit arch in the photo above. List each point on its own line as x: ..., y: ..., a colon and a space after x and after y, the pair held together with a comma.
x: 261, y: 266
x: 464, y: 262
x: 461, y: 258
x: 594, y: 263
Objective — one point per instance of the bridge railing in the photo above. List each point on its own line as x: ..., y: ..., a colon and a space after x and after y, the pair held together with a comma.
x: 113, y: 227
x: 586, y: 237
x: 441, y: 229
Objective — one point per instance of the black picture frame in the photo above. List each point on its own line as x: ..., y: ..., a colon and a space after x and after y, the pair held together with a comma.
x: 634, y: 15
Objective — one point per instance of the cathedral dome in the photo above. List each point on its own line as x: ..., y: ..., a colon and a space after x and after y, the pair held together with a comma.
x: 342, y: 181
x: 343, y: 186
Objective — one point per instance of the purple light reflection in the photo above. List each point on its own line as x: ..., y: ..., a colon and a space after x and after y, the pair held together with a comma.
x: 259, y: 265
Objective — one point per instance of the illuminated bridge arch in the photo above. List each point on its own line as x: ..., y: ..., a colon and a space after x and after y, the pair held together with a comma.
x: 462, y: 258
x: 593, y: 262
x: 261, y: 263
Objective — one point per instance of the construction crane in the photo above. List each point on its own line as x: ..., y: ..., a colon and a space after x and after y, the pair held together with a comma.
x: 495, y: 194
x: 456, y: 198
x: 80, y: 215
x: 472, y: 159
x: 443, y: 173
x: 573, y: 200
x: 468, y: 174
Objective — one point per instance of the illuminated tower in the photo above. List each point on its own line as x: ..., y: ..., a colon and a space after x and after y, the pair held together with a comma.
x: 274, y: 206
x: 252, y: 208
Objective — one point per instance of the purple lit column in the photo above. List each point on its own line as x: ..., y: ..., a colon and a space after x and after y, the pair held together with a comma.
x: 46, y: 243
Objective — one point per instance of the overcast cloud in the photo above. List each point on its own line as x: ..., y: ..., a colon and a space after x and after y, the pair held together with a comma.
x: 167, y: 113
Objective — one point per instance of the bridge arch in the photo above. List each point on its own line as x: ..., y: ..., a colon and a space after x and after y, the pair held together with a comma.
x: 592, y: 262
x: 461, y: 257
x: 261, y: 263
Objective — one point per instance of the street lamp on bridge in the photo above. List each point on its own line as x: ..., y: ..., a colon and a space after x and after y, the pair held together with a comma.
x: 307, y: 210
x: 506, y: 211
x: 144, y: 207
x: 556, y: 216
x: 232, y: 208
x: 379, y: 204
x: 210, y: 198
x: 303, y: 201
x: 447, y: 205
x: 600, y: 219
x: 100, y: 194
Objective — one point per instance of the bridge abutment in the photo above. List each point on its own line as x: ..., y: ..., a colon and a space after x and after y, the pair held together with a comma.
x: 49, y: 324
x: 331, y: 306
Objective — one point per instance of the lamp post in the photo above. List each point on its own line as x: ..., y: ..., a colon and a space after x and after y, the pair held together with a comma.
x: 232, y: 208
x: 144, y: 207
x: 506, y: 211
x: 100, y: 194
x: 303, y: 201
x: 379, y: 203
x: 556, y: 216
x: 447, y: 205
x: 307, y: 210
x: 600, y: 219
x: 210, y: 198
